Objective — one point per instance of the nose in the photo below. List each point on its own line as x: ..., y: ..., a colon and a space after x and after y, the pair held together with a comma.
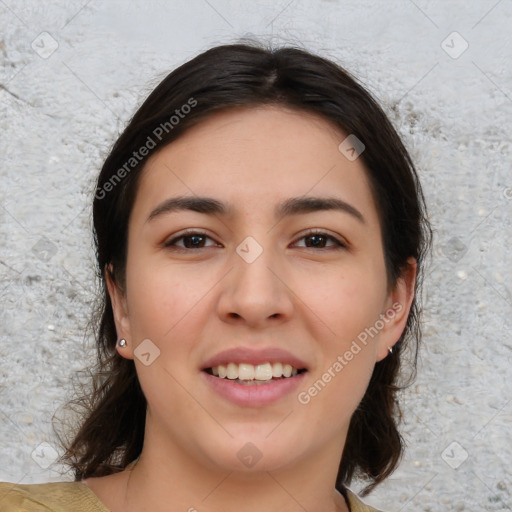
x: 256, y: 292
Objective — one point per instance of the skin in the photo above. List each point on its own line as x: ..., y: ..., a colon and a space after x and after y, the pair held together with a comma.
x: 311, y: 301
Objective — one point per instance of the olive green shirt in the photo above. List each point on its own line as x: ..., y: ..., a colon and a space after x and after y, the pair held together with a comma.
x: 77, y: 497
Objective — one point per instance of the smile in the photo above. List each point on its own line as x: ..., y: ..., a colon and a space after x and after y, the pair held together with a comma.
x: 250, y: 372
x: 253, y: 392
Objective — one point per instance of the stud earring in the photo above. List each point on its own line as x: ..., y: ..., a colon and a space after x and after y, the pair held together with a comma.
x: 390, y: 350
x: 121, y: 343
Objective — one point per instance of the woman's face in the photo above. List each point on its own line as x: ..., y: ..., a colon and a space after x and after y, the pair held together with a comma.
x: 253, y: 279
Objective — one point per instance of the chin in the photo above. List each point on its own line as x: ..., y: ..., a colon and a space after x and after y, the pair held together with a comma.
x: 253, y: 454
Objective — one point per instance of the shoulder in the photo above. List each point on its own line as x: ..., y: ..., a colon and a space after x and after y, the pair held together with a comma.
x: 48, y: 497
x: 356, y: 505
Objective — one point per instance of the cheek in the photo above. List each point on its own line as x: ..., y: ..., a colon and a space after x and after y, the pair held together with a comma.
x: 335, y: 390
x: 159, y: 297
x: 346, y: 300
x: 163, y: 306
x: 348, y: 304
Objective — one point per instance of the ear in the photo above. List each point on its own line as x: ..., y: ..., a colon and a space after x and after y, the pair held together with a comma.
x: 397, y: 308
x: 121, y: 316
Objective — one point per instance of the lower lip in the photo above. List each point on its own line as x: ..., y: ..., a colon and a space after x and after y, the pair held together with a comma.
x: 253, y: 395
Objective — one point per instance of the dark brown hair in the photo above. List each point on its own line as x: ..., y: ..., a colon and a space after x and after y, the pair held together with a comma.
x: 110, y: 432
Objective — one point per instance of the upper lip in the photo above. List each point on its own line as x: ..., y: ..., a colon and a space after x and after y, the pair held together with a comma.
x: 254, y: 357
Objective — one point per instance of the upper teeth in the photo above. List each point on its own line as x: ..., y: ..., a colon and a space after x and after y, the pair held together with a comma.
x: 245, y: 371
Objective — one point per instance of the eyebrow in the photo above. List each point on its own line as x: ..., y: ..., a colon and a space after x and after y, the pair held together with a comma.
x: 289, y: 207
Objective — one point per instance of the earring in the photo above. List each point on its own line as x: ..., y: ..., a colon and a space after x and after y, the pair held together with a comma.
x: 121, y: 343
x: 390, y: 350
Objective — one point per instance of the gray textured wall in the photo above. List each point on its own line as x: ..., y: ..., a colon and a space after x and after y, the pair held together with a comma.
x: 71, y: 74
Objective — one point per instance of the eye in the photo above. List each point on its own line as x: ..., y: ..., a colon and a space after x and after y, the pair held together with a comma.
x: 195, y: 240
x: 317, y: 237
x: 192, y: 239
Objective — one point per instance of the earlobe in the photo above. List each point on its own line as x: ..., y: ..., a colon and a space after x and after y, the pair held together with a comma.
x: 120, y: 311
x: 398, y: 307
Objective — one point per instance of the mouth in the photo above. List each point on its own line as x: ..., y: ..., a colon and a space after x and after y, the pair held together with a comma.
x: 253, y: 393
x: 254, y: 378
x: 254, y: 375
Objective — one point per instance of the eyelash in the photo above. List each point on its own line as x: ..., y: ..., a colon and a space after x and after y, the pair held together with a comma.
x: 309, y: 233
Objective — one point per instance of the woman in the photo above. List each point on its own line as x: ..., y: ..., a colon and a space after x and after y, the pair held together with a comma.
x: 260, y: 233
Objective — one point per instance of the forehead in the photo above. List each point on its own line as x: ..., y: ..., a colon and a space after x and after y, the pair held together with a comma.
x: 255, y: 155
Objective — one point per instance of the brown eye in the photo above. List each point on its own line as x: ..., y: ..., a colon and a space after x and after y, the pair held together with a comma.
x: 191, y: 240
x: 196, y: 240
x: 320, y: 238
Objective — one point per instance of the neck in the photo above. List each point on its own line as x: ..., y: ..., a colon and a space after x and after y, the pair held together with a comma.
x: 226, y: 492
x: 154, y: 484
